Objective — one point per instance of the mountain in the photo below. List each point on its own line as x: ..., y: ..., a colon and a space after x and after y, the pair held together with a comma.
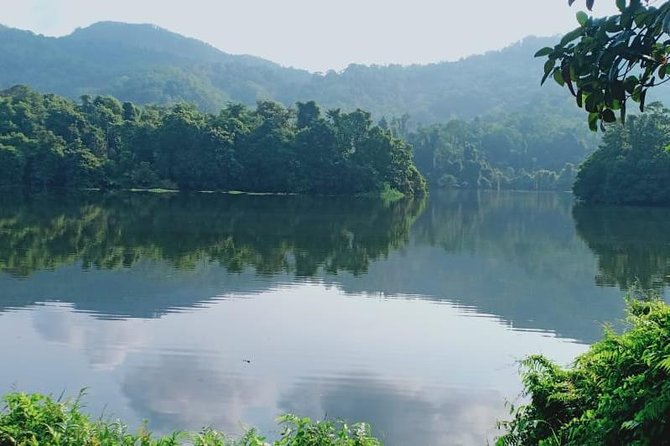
x: 140, y: 63
x: 148, y: 64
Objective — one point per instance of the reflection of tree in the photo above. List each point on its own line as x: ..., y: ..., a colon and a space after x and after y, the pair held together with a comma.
x: 499, y: 223
x: 271, y: 234
x: 513, y: 255
x: 632, y: 244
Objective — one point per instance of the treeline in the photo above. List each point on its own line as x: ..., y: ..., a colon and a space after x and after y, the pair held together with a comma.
x: 632, y: 165
x: 47, y: 142
x: 524, y: 151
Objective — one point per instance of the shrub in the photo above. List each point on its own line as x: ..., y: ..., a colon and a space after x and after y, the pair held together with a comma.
x: 34, y: 419
x: 618, y: 392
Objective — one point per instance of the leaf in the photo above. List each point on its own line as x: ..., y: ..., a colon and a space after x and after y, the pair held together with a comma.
x: 608, y: 115
x: 629, y: 425
x: 558, y: 77
x: 618, y: 90
x: 593, y: 121
x: 621, y: 5
x: 589, y: 4
x: 665, y: 364
x: 666, y: 24
x: 590, y: 103
x: 630, y: 83
x: 582, y: 18
x: 548, y: 67
x: 544, y: 52
x: 572, y: 35
x: 580, y: 98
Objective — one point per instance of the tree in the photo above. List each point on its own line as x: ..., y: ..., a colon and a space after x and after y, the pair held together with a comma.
x: 47, y: 141
x: 632, y: 165
x: 605, y: 62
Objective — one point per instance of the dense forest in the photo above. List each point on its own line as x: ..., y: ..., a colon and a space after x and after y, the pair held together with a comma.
x: 469, y: 130
x: 522, y: 151
x: 632, y: 165
x: 47, y: 141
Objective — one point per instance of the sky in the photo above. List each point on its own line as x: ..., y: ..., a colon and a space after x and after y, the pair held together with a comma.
x: 319, y: 35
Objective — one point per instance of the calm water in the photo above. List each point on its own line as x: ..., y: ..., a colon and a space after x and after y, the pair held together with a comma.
x: 194, y: 310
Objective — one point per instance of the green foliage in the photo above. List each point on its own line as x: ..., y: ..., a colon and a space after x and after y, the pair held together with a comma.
x: 303, y: 431
x: 527, y: 151
x: 607, y: 61
x: 49, y: 142
x: 632, y: 166
x: 616, y: 393
x: 34, y: 419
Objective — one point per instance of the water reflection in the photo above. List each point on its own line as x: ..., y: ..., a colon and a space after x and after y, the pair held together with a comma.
x: 514, y: 255
x: 271, y: 234
x: 105, y: 345
x: 409, y: 315
x: 402, y: 413
x: 145, y: 255
x: 632, y: 244
x: 396, y: 363
x: 206, y: 395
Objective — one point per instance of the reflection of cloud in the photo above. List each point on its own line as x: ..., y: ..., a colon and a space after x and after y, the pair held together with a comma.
x: 106, y: 344
x: 186, y: 392
x: 400, y: 415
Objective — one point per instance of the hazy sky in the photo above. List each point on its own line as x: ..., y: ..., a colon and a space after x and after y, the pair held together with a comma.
x: 319, y: 34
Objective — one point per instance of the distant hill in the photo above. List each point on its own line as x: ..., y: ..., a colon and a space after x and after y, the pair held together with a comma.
x: 140, y: 63
x: 148, y: 64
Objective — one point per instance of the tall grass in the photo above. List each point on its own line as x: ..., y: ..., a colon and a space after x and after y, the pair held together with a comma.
x: 37, y: 420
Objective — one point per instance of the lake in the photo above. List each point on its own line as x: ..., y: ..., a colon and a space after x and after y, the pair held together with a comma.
x: 192, y: 310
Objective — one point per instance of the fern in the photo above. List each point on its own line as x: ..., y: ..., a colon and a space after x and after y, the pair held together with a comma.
x: 618, y: 392
x: 665, y: 364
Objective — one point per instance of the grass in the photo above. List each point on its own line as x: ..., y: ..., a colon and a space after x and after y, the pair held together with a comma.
x: 35, y: 419
x: 387, y: 195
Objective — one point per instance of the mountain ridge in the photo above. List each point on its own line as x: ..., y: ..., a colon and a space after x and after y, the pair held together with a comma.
x: 147, y: 64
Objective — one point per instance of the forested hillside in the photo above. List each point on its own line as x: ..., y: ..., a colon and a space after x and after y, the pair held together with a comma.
x: 146, y: 64
x: 47, y: 141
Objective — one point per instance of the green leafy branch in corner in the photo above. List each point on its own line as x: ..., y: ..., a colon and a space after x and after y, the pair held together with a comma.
x: 605, y: 62
x: 616, y: 393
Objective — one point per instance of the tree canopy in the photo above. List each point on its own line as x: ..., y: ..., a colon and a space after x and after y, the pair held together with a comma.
x: 531, y: 150
x: 50, y: 142
x: 605, y: 62
x: 632, y: 165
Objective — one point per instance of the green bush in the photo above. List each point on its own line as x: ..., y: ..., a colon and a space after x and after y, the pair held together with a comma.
x: 617, y: 393
x: 34, y: 419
